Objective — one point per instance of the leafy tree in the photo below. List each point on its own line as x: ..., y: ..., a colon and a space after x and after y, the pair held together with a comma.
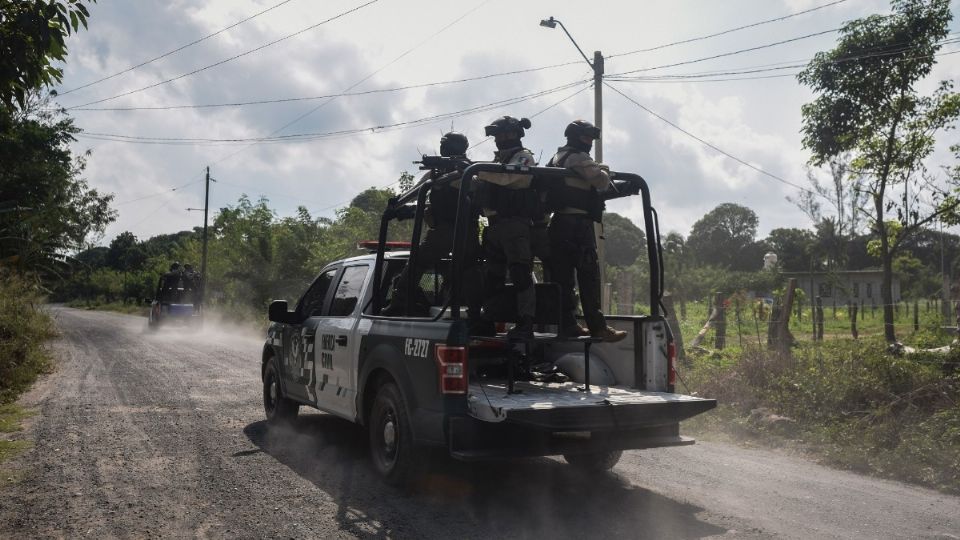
x: 867, y: 106
x: 793, y: 248
x: 720, y: 237
x: 624, y: 240
x: 46, y: 209
x: 32, y: 35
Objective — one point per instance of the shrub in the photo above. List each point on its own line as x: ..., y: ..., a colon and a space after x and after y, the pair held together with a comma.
x: 23, y: 329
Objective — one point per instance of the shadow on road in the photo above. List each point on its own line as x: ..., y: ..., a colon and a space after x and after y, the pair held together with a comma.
x: 520, y: 498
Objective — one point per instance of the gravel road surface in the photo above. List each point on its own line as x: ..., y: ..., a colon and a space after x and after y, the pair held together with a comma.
x: 143, y: 434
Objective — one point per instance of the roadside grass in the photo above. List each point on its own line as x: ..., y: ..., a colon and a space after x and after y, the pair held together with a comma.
x: 11, y: 415
x: 849, y: 404
x: 24, y: 328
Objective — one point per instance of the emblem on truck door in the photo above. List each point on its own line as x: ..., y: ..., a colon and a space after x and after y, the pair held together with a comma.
x: 416, y: 347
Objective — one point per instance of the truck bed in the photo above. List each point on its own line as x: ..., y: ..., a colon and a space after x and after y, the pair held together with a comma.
x: 566, y: 407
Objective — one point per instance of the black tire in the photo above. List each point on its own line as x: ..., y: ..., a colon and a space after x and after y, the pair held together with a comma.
x: 594, y: 461
x: 391, y: 437
x: 279, y: 410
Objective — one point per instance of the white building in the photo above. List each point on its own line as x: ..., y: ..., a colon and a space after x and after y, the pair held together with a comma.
x: 845, y: 286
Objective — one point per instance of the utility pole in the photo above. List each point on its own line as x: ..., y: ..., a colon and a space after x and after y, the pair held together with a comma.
x: 597, y: 66
x: 203, y: 257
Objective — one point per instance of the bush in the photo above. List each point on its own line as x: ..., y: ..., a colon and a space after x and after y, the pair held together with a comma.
x: 23, y: 329
x: 853, y: 403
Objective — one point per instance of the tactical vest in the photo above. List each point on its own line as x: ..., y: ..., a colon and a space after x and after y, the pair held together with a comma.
x: 508, y: 202
x: 560, y: 195
x: 443, y: 204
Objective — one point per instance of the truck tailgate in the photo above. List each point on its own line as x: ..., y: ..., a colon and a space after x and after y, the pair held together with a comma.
x: 565, y: 407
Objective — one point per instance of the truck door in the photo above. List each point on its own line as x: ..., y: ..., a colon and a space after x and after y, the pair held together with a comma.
x: 337, y: 343
x: 299, y: 344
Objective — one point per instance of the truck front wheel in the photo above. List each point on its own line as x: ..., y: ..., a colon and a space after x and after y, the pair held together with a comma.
x: 278, y: 408
x: 391, y: 437
x: 594, y: 461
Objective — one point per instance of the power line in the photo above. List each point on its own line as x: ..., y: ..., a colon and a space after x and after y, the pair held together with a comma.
x: 174, y: 51
x: 724, y: 32
x: 732, y: 53
x: 383, y: 67
x: 157, y: 194
x: 342, y: 94
x: 332, y: 134
x: 230, y: 59
x: 708, y: 143
x: 784, y: 65
x: 534, y: 115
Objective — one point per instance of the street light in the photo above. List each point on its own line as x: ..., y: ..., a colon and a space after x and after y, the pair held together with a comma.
x: 597, y: 67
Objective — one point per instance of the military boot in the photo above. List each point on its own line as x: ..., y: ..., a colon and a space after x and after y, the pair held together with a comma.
x: 609, y: 334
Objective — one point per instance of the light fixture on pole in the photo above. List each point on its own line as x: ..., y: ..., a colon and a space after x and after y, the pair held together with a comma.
x: 597, y: 66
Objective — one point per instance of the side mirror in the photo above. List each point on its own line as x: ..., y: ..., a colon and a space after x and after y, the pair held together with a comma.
x: 278, y: 312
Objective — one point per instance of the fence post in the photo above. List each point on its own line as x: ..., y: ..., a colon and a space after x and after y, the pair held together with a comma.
x: 819, y: 335
x: 779, y: 336
x: 720, y: 337
x: 862, y: 311
x: 674, y: 324
x: 739, y: 328
x: 853, y: 320
x: 916, y: 318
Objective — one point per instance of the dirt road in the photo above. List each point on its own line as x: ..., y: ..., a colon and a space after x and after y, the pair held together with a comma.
x: 159, y: 435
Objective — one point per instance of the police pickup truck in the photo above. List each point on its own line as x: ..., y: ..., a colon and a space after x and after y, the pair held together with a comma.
x: 421, y: 381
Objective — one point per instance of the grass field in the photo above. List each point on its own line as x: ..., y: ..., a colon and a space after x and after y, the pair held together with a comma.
x: 749, y: 327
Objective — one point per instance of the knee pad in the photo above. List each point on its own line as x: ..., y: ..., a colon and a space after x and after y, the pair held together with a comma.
x: 520, y: 275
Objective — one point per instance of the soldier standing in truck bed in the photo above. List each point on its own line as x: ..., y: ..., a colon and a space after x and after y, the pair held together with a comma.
x: 510, y: 204
x: 440, y: 217
x: 578, y: 204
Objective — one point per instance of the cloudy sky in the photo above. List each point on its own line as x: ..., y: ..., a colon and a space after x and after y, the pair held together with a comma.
x: 330, y: 149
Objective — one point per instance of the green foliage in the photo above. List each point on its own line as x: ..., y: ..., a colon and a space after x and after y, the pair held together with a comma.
x: 624, y: 240
x: 851, y: 402
x: 870, y: 110
x: 23, y: 329
x: 46, y: 208
x: 32, y: 37
x: 254, y: 257
x: 720, y: 237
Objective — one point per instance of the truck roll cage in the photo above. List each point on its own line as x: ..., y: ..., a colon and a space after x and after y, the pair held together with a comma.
x: 626, y: 184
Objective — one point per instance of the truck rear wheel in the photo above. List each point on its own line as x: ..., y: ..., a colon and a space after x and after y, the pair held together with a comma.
x: 278, y: 408
x: 594, y: 461
x: 391, y: 437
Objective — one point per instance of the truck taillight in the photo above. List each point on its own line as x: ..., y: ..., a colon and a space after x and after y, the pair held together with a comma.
x: 452, y: 369
x: 671, y: 363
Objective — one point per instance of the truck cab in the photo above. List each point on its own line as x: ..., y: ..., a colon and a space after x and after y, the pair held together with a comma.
x: 418, y: 381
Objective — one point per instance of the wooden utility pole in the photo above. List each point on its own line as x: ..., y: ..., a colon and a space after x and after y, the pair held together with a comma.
x: 203, y: 257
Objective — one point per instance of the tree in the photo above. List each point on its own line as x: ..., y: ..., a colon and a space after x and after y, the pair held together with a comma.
x: 867, y: 105
x: 625, y: 241
x: 32, y: 37
x: 46, y: 209
x: 793, y: 248
x: 720, y: 237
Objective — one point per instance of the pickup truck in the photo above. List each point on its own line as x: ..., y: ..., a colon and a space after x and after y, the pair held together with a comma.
x: 421, y: 382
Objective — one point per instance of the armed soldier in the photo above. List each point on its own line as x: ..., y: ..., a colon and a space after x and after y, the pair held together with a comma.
x: 169, y: 284
x: 510, y: 204
x: 440, y: 217
x: 578, y: 204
